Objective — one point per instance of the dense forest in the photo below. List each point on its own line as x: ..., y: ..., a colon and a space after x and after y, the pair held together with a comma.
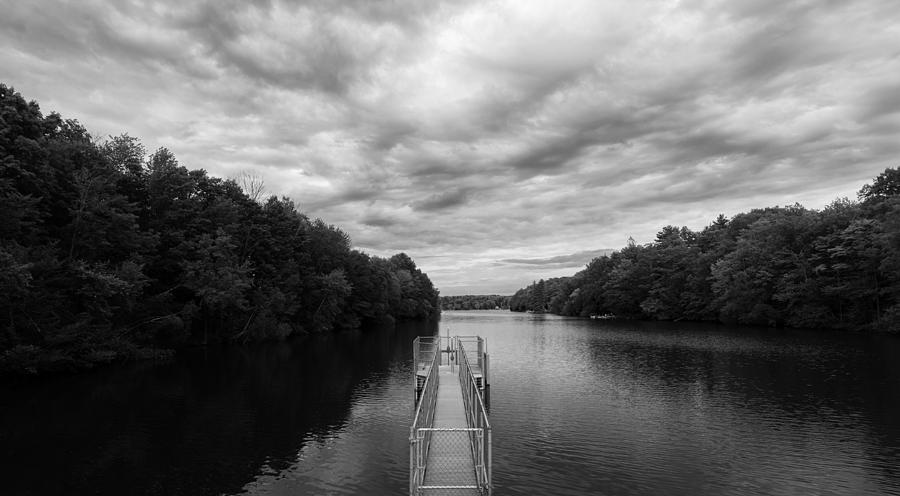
x: 474, y: 302
x: 838, y: 267
x: 110, y: 253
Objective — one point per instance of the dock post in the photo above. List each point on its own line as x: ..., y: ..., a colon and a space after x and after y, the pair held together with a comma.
x: 490, y: 468
x: 480, y: 353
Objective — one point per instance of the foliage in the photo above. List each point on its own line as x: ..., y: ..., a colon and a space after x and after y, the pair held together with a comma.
x: 475, y: 302
x: 107, y: 253
x: 779, y: 266
x: 538, y: 297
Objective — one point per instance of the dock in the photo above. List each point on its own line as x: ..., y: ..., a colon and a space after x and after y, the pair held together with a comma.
x: 450, y: 439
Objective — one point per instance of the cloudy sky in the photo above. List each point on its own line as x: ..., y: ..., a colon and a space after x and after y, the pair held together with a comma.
x: 495, y: 142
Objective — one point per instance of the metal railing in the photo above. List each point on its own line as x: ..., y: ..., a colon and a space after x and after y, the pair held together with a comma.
x: 426, y: 359
x: 452, y: 473
x: 424, y: 350
x: 476, y: 413
x: 474, y: 349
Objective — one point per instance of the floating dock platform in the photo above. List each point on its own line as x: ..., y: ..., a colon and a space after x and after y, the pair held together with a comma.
x: 450, y: 439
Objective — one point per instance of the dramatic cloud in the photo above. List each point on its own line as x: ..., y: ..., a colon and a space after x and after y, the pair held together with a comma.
x: 572, y: 260
x: 495, y: 142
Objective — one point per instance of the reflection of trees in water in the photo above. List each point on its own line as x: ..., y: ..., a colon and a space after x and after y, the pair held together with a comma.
x: 685, y: 409
x: 204, y: 424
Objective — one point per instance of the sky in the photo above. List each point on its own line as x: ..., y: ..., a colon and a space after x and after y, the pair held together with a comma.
x: 495, y: 142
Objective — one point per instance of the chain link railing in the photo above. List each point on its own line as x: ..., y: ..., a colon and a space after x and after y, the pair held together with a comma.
x: 449, y: 461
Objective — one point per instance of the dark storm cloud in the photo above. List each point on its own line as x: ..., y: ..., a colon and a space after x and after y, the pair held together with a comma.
x: 355, y: 195
x: 48, y: 30
x: 388, y: 134
x: 377, y: 221
x: 318, y: 52
x: 778, y: 48
x: 881, y: 101
x: 551, y: 157
x: 571, y: 260
x: 431, y: 169
x: 407, y: 14
x: 96, y: 32
x: 442, y: 201
x: 313, y: 55
x: 320, y: 48
x: 486, y: 137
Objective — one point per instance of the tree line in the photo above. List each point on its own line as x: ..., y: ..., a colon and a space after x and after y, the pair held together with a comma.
x: 475, y: 302
x: 838, y: 268
x: 108, y: 253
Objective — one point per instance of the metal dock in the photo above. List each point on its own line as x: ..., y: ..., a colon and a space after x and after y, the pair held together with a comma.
x: 450, y: 439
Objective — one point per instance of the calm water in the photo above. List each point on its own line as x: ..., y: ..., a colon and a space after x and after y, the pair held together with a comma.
x: 578, y: 407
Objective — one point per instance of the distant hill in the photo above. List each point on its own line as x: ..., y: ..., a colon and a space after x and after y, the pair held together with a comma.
x: 474, y: 302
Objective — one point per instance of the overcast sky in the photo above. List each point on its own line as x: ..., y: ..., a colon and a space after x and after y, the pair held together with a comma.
x: 495, y: 142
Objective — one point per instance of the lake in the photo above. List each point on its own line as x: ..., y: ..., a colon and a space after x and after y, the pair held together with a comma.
x: 577, y: 407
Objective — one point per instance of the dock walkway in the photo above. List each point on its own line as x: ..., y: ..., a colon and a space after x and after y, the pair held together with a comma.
x: 450, y: 461
x: 450, y: 437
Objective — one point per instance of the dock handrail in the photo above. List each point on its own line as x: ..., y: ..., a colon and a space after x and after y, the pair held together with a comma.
x: 424, y: 416
x: 476, y: 418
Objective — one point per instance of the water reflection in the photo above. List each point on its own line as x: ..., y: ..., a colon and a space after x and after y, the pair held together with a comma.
x: 209, y: 423
x: 613, y: 408
x: 578, y: 407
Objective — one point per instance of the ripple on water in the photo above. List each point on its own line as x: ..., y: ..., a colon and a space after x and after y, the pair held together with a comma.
x: 577, y: 406
x: 581, y: 407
